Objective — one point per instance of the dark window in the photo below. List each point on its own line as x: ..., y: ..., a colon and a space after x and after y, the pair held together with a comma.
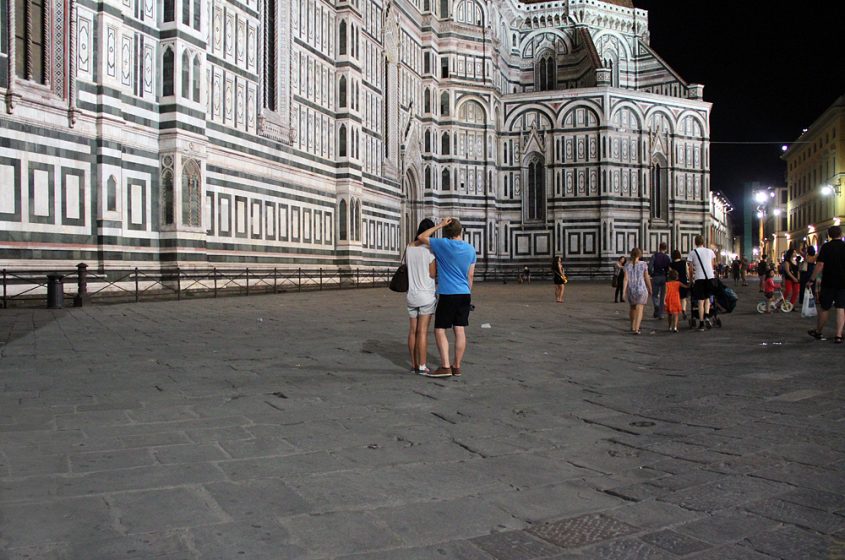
x: 427, y: 141
x: 197, y: 14
x: 341, y: 42
x: 29, y: 40
x: 167, y: 69
x: 196, y: 69
x: 168, y: 10
x: 444, y: 67
x: 536, y: 190
x: 426, y: 100
x: 426, y: 5
x: 427, y: 174
x: 341, y: 92
x: 444, y: 9
x: 660, y: 190
x: 186, y: 12
x: 444, y: 144
x: 166, y: 197
x: 427, y: 63
x: 270, y: 55
x: 186, y: 74
x: 341, y: 216
x: 444, y: 180
x: 341, y: 139
x: 444, y: 104
x: 111, y: 194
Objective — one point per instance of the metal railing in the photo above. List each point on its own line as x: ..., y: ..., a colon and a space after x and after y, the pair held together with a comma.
x: 30, y: 287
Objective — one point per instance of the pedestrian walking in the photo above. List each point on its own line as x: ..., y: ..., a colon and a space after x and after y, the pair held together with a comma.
x: 618, y: 279
x: 679, y: 265
x: 455, y: 271
x: 745, y: 270
x: 830, y: 265
x: 805, y: 271
x: 673, y: 299
x: 559, y: 276
x: 637, y: 288
x: 762, y: 268
x: 736, y: 266
x: 789, y: 270
x: 658, y: 269
x: 701, y: 260
x: 421, y: 299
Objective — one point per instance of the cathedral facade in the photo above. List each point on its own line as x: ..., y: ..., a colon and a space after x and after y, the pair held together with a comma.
x: 156, y: 133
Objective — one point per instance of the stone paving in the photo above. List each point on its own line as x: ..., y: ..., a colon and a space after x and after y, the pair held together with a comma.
x: 288, y: 427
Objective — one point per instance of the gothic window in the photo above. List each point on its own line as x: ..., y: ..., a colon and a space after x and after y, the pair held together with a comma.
x: 444, y: 9
x: 197, y: 75
x: 427, y: 63
x: 186, y: 74
x: 341, y: 41
x: 427, y: 174
x: 536, y: 189
x: 444, y: 104
x: 341, y: 216
x: 358, y: 220
x: 469, y: 12
x: 444, y: 66
x: 167, y: 70
x: 659, y: 189
x: 111, y: 194
x: 197, y: 14
x: 341, y: 92
x: 30, y: 38
x: 166, y: 197
x: 186, y: 12
x: 444, y: 180
x: 341, y: 140
x: 444, y: 144
x: 427, y: 141
x: 426, y: 100
x: 426, y: 5
x: 168, y: 10
x: 546, y: 72
x: 191, y: 194
x: 269, y: 55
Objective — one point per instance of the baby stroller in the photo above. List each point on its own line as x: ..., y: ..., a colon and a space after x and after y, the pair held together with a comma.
x: 723, y: 300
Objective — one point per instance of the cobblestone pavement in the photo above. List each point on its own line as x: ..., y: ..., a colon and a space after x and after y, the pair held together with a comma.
x: 288, y: 426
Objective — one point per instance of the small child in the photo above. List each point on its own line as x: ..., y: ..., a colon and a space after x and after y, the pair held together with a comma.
x: 769, y: 289
x: 673, y: 300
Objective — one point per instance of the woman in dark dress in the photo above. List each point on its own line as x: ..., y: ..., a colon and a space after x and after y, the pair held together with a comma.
x: 680, y: 265
x: 559, y: 277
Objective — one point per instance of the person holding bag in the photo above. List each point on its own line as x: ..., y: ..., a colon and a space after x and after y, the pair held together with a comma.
x: 421, y: 299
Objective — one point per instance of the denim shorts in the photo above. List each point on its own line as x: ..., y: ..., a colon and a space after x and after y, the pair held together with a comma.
x: 414, y: 312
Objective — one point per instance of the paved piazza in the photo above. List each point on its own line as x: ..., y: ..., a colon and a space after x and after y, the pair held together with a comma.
x: 287, y: 427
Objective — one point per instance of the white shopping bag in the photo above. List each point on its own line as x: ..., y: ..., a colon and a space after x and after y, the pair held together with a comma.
x: 809, y: 307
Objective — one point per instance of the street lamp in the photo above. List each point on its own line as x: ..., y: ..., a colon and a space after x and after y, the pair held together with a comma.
x: 828, y: 190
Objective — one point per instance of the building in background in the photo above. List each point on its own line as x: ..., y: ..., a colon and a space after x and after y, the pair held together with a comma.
x: 157, y: 133
x: 815, y: 178
x: 720, y: 232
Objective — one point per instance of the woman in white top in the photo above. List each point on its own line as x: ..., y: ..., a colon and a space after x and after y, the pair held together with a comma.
x: 421, y: 299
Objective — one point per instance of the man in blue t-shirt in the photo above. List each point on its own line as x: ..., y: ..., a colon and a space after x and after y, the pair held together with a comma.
x: 455, y: 269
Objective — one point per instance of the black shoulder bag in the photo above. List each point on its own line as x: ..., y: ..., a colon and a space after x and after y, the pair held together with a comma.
x: 715, y: 283
x: 399, y: 282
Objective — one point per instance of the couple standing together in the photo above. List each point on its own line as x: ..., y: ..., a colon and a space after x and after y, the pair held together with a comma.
x: 452, y: 262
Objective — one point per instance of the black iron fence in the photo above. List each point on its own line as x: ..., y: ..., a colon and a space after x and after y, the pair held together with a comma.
x: 63, y: 287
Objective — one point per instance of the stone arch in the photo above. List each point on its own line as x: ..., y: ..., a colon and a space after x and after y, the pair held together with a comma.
x: 666, y: 115
x: 594, y: 110
x: 543, y: 110
x: 636, y: 111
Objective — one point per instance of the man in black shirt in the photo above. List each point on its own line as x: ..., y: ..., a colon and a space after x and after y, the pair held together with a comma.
x: 830, y: 264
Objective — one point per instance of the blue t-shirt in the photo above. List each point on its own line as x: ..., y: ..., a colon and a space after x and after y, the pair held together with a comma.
x: 454, y: 257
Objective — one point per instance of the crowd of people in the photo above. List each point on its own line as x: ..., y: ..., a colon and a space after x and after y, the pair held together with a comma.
x: 441, y: 271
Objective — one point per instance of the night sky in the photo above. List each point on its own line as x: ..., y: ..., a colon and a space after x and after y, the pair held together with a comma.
x: 769, y: 72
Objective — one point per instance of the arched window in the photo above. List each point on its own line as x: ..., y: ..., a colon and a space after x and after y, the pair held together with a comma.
x: 167, y: 217
x: 546, y: 72
x: 536, y: 191
x: 186, y: 12
x: 341, y: 41
x: 444, y: 104
x: 426, y: 100
x: 427, y: 63
x: 341, y: 140
x: 341, y: 217
x: 427, y: 141
x: 427, y: 174
x: 186, y: 73
x: 356, y: 219
x: 341, y: 92
x: 168, y: 10
x: 445, y: 144
x: 659, y: 189
x: 426, y: 5
x: 111, y: 194
x: 445, y: 183
x: 197, y: 74
x: 444, y: 9
x: 191, y: 194
x: 197, y: 14
x: 469, y: 12
x: 30, y: 40
x: 167, y: 70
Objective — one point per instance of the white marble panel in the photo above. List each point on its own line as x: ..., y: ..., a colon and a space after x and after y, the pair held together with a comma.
x: 71, y: 197
x: 41, y: 204
x: 136, y: 204
x: 7, y: 189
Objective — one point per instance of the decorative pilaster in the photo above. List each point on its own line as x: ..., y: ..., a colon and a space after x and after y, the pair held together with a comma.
x: 10, y: 90
x: 71, y: 65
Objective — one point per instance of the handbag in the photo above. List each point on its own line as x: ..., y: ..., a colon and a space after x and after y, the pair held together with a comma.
x: 399, y: 282
x: 614, y: 281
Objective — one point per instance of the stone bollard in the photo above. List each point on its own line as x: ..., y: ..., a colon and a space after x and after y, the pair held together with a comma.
x: 82, y: 285
x: 55, y: 291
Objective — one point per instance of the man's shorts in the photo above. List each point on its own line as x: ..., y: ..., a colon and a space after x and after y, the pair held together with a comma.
x: 414, y: 312
x: 701, y: 290
x: 828, y: 297
x: 452, y: 311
